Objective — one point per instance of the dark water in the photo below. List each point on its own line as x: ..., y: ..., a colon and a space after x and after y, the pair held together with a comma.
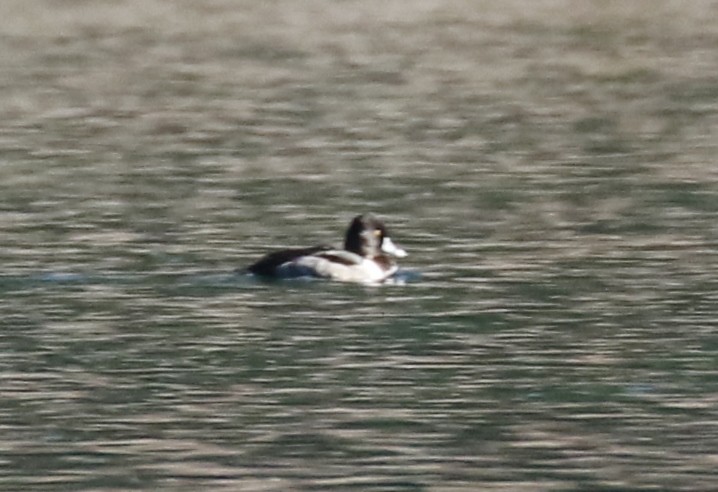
x: 557, y: 329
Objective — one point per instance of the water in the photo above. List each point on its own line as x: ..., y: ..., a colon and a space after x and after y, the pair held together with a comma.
x: 556, y: 329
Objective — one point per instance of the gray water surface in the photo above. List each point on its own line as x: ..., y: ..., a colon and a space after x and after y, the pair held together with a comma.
x: 551, y: 173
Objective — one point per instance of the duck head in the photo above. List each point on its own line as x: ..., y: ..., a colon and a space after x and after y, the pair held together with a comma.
x: 367, y: 236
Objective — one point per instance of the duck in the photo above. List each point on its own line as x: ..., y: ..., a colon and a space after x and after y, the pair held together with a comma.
x: 367, y: 257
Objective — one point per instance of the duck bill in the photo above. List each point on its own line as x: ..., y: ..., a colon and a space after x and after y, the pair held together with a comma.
x: 388, y: 247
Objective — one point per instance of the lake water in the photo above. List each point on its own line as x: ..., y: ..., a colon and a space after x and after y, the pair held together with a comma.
x: 550, y: 172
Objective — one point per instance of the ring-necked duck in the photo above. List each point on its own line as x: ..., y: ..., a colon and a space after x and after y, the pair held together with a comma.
x: 364, y: 259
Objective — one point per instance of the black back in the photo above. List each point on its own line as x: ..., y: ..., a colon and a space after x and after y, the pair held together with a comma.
x: 268, y: 264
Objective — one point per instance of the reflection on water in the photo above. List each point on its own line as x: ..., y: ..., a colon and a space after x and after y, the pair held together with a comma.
x: 555, y: 326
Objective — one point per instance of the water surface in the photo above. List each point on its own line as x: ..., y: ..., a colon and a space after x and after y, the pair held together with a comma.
x: 550, y: 171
